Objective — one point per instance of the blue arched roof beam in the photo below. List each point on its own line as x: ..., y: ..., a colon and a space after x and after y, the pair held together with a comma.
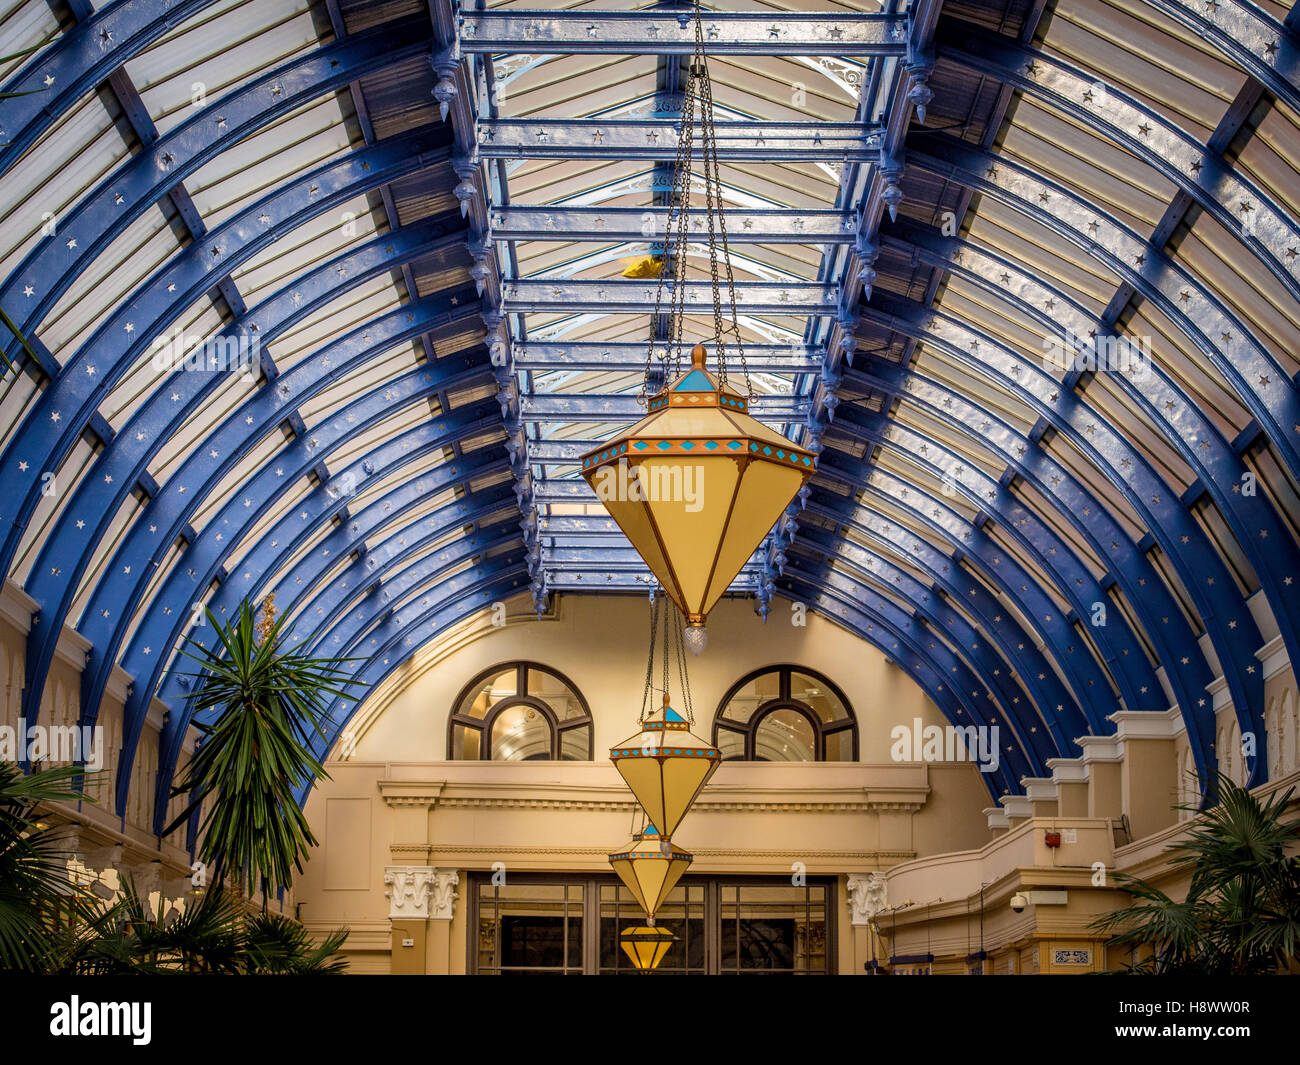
x: 405, y: 582
x: 297, y: 588
x: 1128, y: 566
x: 400, y: 634
x: 1260, y: 384
x: 1004, y: 698
x: 79, y: 61
x: 995, y: 662
x: 832, y: 506
x: 1217, y: 464
x: 1004, y: 570
x: 1140, y: 130
x: 1081, y: 716
x: 171, y: 611
x: 941, y: 674
x: 402, y: 574
x: 309, y: 585
x: 1018, y: 646
x: 64, y: 409
x: 1255, y: 41
x: 120, y: 591
x: 1076, y: 504
x: 124, y: 462
x: 1131, y: 671
x: 1053, y: 554
x: 51, y: 267
x: 1228, y: 620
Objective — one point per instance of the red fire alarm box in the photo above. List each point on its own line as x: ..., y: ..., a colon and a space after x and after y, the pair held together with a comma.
x: 1053, y: 839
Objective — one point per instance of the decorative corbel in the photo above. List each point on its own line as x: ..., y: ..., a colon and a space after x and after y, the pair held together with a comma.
x: 891, y: 169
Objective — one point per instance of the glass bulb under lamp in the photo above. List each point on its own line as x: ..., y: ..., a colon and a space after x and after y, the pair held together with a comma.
x: 696, y: 638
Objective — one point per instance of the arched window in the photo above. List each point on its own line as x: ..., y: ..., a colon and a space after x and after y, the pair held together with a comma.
x: 520, y: 712
x: 786, y: 714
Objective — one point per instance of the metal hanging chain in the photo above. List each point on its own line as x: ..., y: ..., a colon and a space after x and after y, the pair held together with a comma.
x: 679, y: 200
x: 667, y: 626
x: 699, y: 89
x: 713, y: 193
x: 646, y: 700
x: 687, y: 706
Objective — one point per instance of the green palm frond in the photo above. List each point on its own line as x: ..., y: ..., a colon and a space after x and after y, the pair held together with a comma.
x: 35, y: 889
x: 279, y: 946
x: 1241, y: 915
x: 256, y: 755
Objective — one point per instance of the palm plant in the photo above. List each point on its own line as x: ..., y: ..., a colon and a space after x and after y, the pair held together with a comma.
x: 277, y: 946
x: 1241, y: 915
x: 35, y: 890
x: 211, y: 936
x: 255, y: 755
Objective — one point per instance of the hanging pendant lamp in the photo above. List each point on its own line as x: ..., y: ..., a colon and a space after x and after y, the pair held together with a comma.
x: 665, y: 764
x: 698, y: 483
x: 646, y: 945
x: 650, y: 866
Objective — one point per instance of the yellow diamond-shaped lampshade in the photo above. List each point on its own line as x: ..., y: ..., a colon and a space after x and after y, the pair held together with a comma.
x: 665, y: 765
x: 650, y: 866
x: 696, y: 484
x: 646, y: 945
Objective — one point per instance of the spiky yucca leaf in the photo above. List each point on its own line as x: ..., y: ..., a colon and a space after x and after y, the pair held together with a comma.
x: 255, y: 756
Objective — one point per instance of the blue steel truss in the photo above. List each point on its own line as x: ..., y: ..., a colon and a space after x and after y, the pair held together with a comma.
x: 919, y: 533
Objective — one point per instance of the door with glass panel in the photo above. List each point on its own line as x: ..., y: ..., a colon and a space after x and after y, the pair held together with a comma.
x: 746, y: 926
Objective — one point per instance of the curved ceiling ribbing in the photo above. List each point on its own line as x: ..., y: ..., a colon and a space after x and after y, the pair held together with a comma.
x: 973, y: 505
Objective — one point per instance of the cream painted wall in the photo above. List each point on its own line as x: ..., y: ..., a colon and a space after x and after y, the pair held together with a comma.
x: 599, y: 643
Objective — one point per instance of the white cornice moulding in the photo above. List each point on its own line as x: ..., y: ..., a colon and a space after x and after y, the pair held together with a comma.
x: 1068, y: 770
x: 1039, y: 789
x: 1017, y: 805
x: 1147, y: 724
x: 156, y: 713
x: 1218, y: 689
x: 1100, y: 749
x: 73, y: 648
x: 17, y: 606
x: 997, y: 817
x: 1273, y: 657
x: 119, y: 684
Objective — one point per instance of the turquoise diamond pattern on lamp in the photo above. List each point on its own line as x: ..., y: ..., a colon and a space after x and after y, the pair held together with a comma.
x: 640, y: 445
x: 663, y: 445
x: 711, y: 445
x: 687, y: 445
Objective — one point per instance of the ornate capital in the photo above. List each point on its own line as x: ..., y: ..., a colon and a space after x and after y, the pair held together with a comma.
x: 442, y: 900
x: 408, y: 889
x: 867, y: 897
